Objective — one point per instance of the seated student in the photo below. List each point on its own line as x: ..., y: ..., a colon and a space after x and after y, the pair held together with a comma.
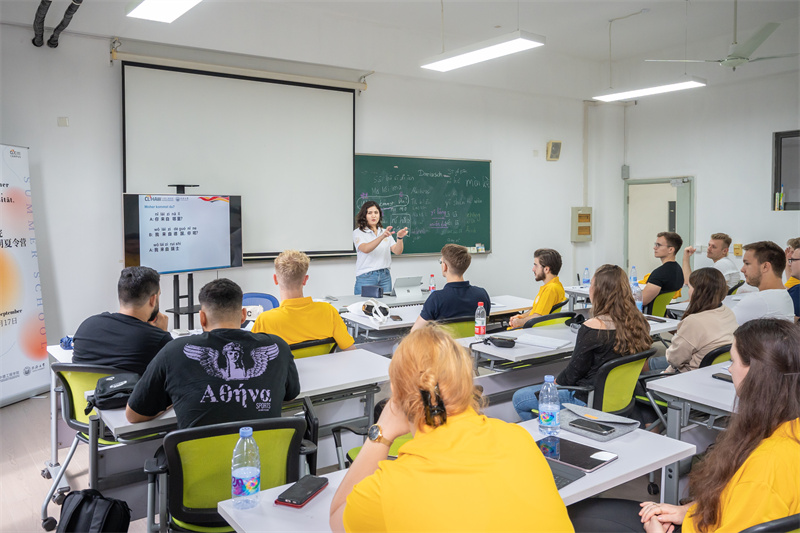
x: 794, y: 290
x: 718, y: 246
x: 616, y: 329
x: 130, y: 338
x: 462, y: 471
x: 792, y: 279
x: 299, y: 318
x: 669, y: 276
x: 763, y: 266
x: 546, y: 266
x: 752, y: 474
x: 706, y: 324
x: 457, y: 298
x: 225, y: 374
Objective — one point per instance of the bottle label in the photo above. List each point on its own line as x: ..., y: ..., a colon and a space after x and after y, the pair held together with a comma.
x: 245, y: 486
x: 480, y: 329
x: 548, y: 418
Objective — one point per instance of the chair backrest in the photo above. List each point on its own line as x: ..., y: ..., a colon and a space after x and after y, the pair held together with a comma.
x: 558, y: 306
x: 659, y: 305
x: 548, y: 320
x: 199, y: 465
x: 787, y: 524
x: 616, y: 381
x: 735, y: 288
x: 717, y: 355
x: 458, y: 327
x: 313, y: 347
x: 76, y: 379
x: 267, y: 301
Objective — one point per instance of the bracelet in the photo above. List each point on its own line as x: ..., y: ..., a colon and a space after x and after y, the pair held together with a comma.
x: 400, y: 238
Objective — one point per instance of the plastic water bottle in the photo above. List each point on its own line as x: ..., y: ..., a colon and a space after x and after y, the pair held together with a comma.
x: 586, y: 280
x: 634, y: 279
x: 549, y: 407
x: 432, y: 284
x: 636, y: 290
x: 480, y: 322
x: 245, y: 471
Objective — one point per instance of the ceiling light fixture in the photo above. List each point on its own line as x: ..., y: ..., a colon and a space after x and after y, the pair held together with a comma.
x: 690, y: 83
x: 511, y: 43
x: 161, y: 10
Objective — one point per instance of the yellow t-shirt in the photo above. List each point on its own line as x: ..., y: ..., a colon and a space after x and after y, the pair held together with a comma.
x: 473, y: 473
x: 791, y: 282
x: 302, y: 319
x: 549, y: 295
x: 766, y: 486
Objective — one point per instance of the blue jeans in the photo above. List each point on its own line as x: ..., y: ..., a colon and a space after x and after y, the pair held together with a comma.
x: 526, y: 399
x: 382, y: 278
x: 657, y: 362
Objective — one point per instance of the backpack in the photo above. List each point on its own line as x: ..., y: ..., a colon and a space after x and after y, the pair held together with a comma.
x: 112, y: 391
x: 87, y: 511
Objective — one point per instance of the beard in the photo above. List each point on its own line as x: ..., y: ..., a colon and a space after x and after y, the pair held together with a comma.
x: 754, y: 281
x: 541, y: 277
x: 154, y: 314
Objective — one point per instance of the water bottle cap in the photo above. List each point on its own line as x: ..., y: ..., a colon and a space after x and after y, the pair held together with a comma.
x: 480, y: 304
x: 549, y: 379
x: 246, y: 432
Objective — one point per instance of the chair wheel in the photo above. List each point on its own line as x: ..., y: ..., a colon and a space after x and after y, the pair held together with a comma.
x: 652, y: 488
x: 58, y: 498
x: 46, y: 473
x: 49, y: 523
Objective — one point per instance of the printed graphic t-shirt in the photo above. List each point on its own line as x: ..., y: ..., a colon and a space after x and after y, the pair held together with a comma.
x: 224, y: 375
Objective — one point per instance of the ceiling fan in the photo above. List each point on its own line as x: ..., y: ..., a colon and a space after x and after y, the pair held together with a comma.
x: 739, y: 53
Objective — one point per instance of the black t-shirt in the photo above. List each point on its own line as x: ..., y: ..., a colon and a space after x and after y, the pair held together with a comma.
x: 593, y: 348
x: 455, y: 299
x: 118, y: 340
x: 669, y: 276
x: 224, y: 375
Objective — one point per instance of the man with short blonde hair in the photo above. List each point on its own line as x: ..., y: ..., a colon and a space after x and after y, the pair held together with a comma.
x: 299, y: 318
x: 718, y: 247
x: 764, y: 263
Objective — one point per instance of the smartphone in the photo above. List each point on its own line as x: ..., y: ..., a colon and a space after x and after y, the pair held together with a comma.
x: 724, y: 376
x: 651, y: 318
x: 302, y: 491
x: 594, y: 427
x: 502, y: 341
x: 396, y: 318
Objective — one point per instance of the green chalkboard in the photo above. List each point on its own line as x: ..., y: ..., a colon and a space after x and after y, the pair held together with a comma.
x: 440, y: 200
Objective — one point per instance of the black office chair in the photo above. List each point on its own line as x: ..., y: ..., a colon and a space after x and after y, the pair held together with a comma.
x: 787, y: 524
x: 558, y: 306
x: 313, y: 347
x: 717, y: 355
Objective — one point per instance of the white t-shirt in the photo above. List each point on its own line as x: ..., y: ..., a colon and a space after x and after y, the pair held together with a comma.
x: 729, y: 270
x: 771, y: 303
x: 380, y: 257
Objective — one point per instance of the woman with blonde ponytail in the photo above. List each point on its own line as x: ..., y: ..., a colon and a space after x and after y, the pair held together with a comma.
x: 462, y: 471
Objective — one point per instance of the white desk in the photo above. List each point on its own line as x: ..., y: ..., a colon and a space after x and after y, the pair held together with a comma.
x: 679, y: 308
x: 574, y: 292
x: 640, y: 452
x: 562, y: 332
x: 506, y: 304
x: 693, y: 390
x: 341, y: 302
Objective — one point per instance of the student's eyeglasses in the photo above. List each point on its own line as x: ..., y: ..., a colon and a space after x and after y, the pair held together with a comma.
x: 792, y: 260
x: 658, y: 245
x: 441, y: 262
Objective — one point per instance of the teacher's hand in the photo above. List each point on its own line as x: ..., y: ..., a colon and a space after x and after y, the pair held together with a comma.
x: 387, y: 232
x: 402, y: 233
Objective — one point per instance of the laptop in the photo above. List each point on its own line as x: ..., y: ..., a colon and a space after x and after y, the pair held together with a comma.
x: 564, y: 474
x: 409, y: 288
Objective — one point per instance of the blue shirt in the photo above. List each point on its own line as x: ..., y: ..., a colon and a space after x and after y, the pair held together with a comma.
x: 794, y: 292
x: 456, y: 299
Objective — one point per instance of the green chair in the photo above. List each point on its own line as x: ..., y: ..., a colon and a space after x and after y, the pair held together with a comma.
x: 75, y: 379
x: 458, y: 327
x: 548, y: 320
x: 197, y: 472
x: 717, y: 355
x: 659, y: 305
x: 735, y: 288
x: 787, y: 524
x: 346, y: 460
x: 313, y: 347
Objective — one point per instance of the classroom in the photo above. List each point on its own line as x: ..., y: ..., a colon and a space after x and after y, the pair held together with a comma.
x: 718, y: 137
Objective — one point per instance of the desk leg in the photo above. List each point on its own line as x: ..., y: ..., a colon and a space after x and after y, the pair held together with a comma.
x: 672, y: 471
x: 52, y: 467
x: 369, y: 407
x: 571, y: 303
x: 94, y: 444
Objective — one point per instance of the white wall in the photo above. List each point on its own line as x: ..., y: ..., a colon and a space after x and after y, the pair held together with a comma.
x: 77, y: 184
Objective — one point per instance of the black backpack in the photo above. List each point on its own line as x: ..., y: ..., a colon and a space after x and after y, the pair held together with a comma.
x: 112, y: 391
x: 87, y: 511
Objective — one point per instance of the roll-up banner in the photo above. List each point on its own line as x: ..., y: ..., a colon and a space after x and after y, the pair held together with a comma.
x: 24, y: 370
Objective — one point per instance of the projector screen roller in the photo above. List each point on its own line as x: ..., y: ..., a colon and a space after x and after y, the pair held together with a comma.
x: 286, y: 149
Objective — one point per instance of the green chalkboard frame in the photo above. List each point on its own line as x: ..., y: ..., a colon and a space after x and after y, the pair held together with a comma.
x: 440, y: 200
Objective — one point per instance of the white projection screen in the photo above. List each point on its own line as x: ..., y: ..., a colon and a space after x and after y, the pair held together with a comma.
x: 287, y: 149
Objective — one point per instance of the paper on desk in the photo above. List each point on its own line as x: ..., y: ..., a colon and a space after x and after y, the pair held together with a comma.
x: 544, y: 342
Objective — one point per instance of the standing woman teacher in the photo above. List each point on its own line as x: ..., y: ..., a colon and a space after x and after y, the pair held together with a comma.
x: 374, y: 247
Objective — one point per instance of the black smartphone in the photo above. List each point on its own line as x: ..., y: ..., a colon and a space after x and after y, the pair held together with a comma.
x: 396, y: 318
x: 724, y: 376
x: 302, y: 491
x: 651, y: 318
x: 594, y: 427
x: 502, y: 341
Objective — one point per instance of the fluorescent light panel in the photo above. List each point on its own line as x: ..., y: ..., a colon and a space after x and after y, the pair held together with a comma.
x: 162, y: 10
x: 690, y: 83
x: 483, y: 51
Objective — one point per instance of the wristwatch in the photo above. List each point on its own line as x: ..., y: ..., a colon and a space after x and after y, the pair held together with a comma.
x: 375, y: 434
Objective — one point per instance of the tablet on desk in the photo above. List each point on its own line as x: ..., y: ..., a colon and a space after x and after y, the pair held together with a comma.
x: 571, y: 453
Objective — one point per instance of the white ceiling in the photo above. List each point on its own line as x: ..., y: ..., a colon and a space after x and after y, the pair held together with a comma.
x: 393, y: 36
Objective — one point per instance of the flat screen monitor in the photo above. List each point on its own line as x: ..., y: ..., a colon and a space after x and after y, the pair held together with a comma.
x: 181, y: 232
